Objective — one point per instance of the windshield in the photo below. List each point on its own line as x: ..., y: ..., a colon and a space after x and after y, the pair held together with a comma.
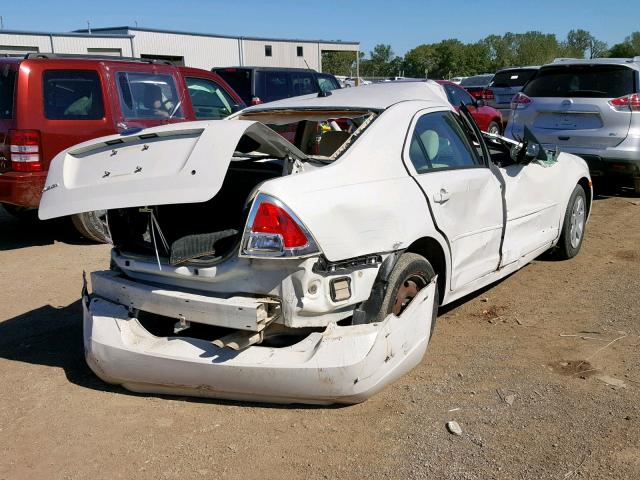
x: 512, y: 78
x: 477, y: 81
x: 590, y: 81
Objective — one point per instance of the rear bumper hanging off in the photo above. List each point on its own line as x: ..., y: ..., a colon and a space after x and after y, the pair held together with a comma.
x: 340, y: 365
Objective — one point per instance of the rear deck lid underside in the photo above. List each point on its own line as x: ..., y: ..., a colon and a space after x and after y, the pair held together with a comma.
x: 179, y: 163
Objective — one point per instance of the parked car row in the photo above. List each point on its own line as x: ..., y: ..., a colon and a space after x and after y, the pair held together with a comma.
x: 49, y: 102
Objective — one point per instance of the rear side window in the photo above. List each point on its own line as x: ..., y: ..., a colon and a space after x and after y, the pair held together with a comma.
x: 72, y: 95
x: 458, y: 95
x: 239, y: 80
x: 148, y: 95
x: 512, y: 78
x: 209, y: 100
x: 588, y: 81
x: 327, y: 82
x: 439, y: 142
x: 272, y: 85
x: 303, y: 84
x: 7, y: 86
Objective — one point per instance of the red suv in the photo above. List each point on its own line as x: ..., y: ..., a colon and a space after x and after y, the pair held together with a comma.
x: 51, y: 102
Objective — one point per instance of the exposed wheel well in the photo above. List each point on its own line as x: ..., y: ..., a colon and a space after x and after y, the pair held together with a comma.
x: 585, y: 184
x: 430, y: 249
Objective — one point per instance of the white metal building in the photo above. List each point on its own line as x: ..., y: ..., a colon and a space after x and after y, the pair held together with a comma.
x: 191, y: 49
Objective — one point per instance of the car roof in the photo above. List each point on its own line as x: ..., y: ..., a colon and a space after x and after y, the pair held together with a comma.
x: 377, y: 96
x: 628, y: 62
x: 271, y: 69
x: 529, y: 67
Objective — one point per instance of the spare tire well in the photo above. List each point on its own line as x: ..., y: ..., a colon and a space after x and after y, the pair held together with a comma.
x: 431, y: 249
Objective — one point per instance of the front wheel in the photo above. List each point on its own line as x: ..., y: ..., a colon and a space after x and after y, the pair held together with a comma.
x: 411, y: 274
x: 573, y: 226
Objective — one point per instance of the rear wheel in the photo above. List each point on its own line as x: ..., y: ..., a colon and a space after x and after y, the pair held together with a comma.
x: 494, y: 128
x: 410, y: 275
x: 573, y: 226
x: 88, y: 225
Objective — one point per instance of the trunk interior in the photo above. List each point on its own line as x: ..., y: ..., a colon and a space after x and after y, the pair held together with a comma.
x: 205, y: 232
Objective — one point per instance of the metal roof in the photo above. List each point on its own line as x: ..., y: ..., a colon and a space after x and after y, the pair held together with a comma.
x: 77, y: 33
x: 197, y: 34
x: 377, y: 96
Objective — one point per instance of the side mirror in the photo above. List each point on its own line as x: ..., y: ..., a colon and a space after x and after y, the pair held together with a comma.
x: 525, y: 154
x: 479, y: 103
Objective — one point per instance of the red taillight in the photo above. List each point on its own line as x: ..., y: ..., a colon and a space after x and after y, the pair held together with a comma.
x: 255, y: 101
x: 487, y: 94
x: 275, y: 220
x: 24, y: 150
x: 520, y: 101
x: 628, y: 102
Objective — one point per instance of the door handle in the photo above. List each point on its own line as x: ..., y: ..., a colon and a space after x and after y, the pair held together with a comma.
x: 442, y: 196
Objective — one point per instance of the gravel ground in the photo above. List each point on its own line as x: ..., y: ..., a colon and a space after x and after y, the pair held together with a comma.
x: 541, y: 372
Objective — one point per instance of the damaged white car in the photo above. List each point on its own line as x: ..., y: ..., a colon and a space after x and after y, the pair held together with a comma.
x: 246, y: 266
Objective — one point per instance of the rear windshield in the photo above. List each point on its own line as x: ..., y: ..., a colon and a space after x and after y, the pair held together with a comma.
x: 7, y: 84
x: 591, y: 81
x: 272, y: 85
x: 72, y: 95
x: 476, y: 81
x: 148, y: 95
x: 239, y: 80
x: 512, y: 78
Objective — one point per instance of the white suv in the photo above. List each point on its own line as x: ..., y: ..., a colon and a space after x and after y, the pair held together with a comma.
x: 590, y: 108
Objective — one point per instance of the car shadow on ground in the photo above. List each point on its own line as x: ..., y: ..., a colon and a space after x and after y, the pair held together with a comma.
x: 15, y: 234
x: 52, y: 337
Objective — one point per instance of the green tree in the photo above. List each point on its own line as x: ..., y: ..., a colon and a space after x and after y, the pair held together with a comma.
x: 420, y: 61
x: 581, y: 44
x: 338, y: 63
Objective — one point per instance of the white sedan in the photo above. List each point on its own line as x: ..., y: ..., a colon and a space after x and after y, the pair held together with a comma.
x: 248, y: 266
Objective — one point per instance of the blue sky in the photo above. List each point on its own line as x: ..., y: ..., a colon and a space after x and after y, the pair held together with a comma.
x: 402, y: 23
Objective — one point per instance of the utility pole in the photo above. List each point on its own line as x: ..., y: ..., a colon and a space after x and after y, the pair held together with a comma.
x: 89, y: 27
x: 1, y: 23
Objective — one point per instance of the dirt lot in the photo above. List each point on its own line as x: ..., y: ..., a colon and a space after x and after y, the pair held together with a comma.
x: 541, y: 371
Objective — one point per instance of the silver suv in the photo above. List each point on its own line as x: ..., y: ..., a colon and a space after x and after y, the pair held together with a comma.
x: 505, y: 84
x: 590, y: 108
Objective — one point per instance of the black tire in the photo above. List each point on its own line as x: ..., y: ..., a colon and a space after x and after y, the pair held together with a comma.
x: 21, y: 213
x: 89, y: 226
x: 494, y: 127
x: 410, y: 267
x: 573, y: 226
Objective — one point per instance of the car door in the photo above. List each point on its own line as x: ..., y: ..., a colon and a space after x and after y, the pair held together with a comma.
x: 534, y: 213
x: 464, y: 194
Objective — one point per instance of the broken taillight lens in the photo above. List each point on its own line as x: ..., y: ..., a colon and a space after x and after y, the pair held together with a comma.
x: 274, y: 231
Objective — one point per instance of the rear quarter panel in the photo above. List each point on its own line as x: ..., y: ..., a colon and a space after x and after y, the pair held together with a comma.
x: 365, y: 202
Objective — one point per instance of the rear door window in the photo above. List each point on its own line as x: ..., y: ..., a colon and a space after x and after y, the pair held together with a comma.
x: 239, y: 79
x: 148, y: 95
x: 208, y: 98
x: 458, y: 95
x: 588, y: 81
x: 439, y: 142
x: 512, y: 78
x: 72, y: 95
x: 7, y: 86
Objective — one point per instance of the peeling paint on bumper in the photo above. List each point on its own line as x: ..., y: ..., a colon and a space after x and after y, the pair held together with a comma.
x: 341, y: 365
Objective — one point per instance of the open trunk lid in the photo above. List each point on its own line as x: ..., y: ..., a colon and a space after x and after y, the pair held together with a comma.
x: 178, y: 163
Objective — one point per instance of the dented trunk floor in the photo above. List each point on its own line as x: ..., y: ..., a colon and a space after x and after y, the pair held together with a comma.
x: 541, y: 371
